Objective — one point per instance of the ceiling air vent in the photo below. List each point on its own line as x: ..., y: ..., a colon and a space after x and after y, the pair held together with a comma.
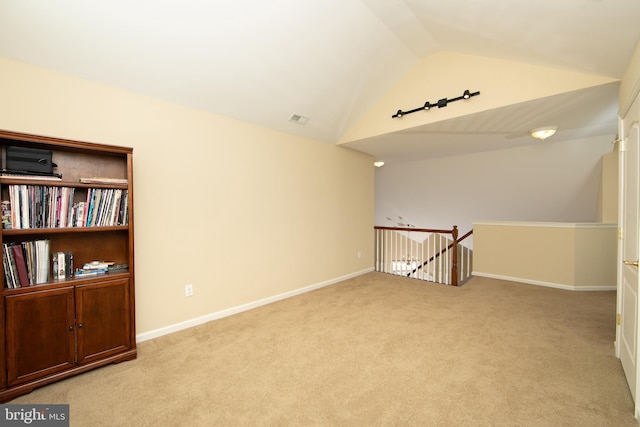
x: 297, y: 118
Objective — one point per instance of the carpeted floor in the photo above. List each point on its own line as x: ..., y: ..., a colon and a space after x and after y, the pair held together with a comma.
x: 376, y: 350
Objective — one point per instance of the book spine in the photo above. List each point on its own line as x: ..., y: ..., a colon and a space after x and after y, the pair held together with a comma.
x: 6, y: 214
x: 24, y: 206
x: 91, y: 195
x: 70, y: 205
x: 79, y: 217
x: 9, y: 278
x: 92, y: 272
x: 28, y: 251
x: 14, y: 269
x: 21, y: 265
x: 42, y: 261
x: 68, y: 259
x: 125, y: 208
x: 96, y: 207
x: 61, y: 266
x: 54, y: 263
x: 13, y: 201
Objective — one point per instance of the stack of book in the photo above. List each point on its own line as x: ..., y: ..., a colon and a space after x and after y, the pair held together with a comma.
x: 25, y: 264
x: 95, y: 268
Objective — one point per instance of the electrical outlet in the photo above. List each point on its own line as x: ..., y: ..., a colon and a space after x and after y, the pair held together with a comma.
x: 188, y: 290
x: 359, y: 254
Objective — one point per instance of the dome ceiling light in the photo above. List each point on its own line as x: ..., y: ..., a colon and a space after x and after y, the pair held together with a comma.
x: 544, y: 132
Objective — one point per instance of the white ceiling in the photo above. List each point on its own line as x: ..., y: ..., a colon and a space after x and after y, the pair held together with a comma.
x: 330, y: 60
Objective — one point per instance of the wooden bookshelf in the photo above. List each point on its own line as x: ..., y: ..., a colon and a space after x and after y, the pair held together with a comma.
x: 55, y: 329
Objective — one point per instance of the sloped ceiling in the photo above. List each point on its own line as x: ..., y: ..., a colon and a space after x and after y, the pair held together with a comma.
x: 330, y: 60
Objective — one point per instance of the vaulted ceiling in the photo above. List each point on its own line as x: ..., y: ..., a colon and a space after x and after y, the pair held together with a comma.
x: 331, y: 60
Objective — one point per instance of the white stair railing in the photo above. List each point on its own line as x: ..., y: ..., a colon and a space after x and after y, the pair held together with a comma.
x: 424, y: 254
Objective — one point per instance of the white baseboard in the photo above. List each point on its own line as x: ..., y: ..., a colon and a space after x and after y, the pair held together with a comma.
x: 145, y: 336
x: 546, y: 284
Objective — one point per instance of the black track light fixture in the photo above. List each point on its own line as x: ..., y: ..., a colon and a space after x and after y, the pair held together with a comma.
x: 440, y: 104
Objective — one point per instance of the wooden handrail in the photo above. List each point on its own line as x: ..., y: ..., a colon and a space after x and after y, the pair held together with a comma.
x: 454, y: 256
x: 426, y: 230
x: 453, y: 246
x: 469, y: 233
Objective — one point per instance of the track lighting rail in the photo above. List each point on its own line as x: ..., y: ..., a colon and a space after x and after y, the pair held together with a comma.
x: 440, y: 104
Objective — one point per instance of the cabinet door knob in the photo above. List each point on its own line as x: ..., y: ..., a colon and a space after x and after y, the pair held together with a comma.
x: 71, y: 328
x: 80, y: 325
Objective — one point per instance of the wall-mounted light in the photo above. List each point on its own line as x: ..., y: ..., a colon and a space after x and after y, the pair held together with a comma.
x: 544, y: 132
x: 378, y: 164
x: 440, y: 104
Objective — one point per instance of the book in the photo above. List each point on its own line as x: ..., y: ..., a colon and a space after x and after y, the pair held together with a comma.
x: 24, y: 206
x: 41, y: 261
x: 97, y: 265
x: 21, y: 265
x: 79, y: 214
x: 98, y: 180
x: 59, y: 266
x: 14, y: 207
x: 118, y: 268
x: 6, y: 215
x: 19, y: 174
x: 91, y: 197
x: 29, y: 255
x: 80, y: 272
x: 115, y: 207
x: 96, y: 208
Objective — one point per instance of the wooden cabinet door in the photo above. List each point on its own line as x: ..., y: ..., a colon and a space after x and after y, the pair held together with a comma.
x: 103, y: 319
x: 40, y: 334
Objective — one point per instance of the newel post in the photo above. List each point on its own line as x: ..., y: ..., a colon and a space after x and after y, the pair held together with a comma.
x: 454, y: 257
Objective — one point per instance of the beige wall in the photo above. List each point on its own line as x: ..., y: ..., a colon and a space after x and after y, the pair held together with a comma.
x: 241, y: 212
x: 630, y: 84
x: 576, y: 256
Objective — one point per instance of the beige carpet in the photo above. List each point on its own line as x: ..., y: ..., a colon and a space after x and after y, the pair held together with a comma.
x: 377, y: 350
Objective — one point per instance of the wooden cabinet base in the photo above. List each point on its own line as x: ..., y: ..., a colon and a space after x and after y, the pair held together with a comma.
x: 9, y: 394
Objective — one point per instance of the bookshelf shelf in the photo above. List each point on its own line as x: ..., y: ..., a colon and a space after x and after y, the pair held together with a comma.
x: 17, y: 181
x: 54, y: 284
x: 65, y: 230
x: 58, y: 324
